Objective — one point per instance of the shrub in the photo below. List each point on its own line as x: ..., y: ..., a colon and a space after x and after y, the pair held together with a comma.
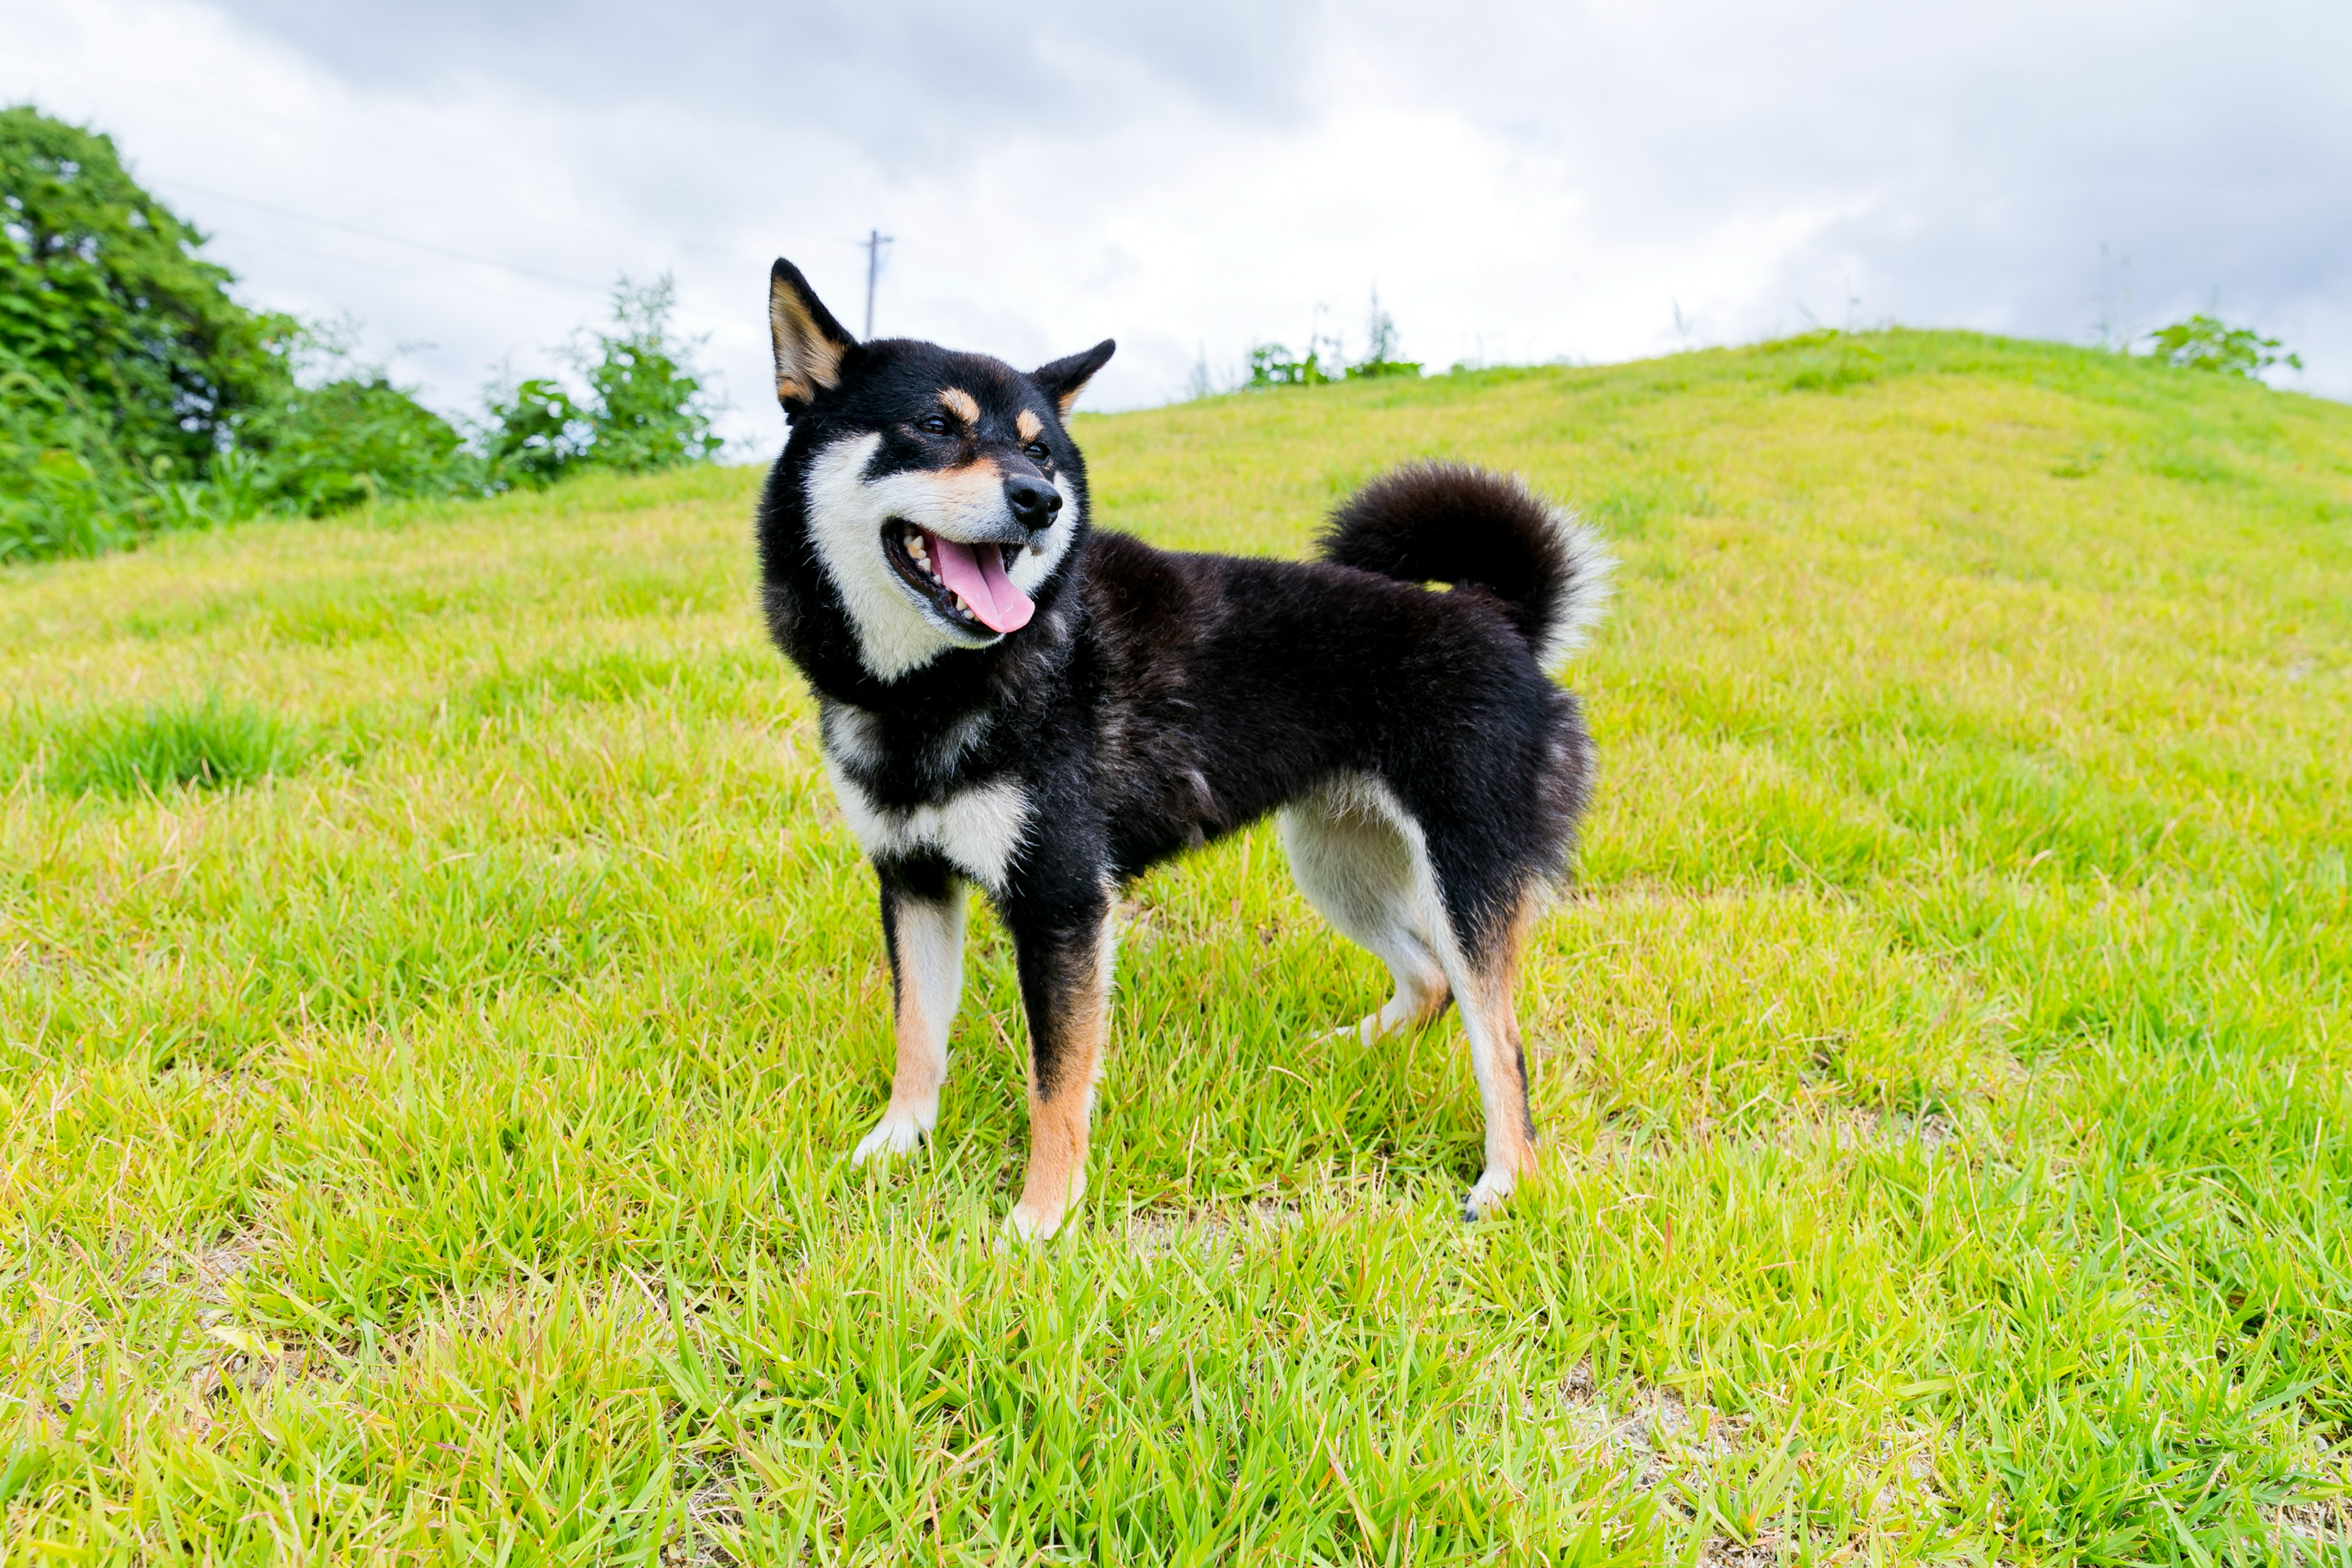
x: 536, y: 434
x: 1379, y: 347
x: 65, y: 489
x: 1271, y: 364
x: 645, y: 409
x: 649, y: 410
x: 346, y: 443
x: 60, y: 511
x: 2207, y: 342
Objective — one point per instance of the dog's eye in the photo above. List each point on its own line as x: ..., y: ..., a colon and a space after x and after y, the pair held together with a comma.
x: 936, y: 425
x: 1037, y: 451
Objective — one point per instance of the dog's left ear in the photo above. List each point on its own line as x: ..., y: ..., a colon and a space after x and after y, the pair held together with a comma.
x: 1064, y: 378
x: 810, y: 344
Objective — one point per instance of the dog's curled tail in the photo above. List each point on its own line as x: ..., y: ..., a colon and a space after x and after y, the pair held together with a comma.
x: 1449, y: 523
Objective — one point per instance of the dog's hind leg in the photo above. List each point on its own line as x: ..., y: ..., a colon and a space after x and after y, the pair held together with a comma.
x: 1366, y: 862
x: 922, y: 926
x: 1485, y: 985
x: 1357, y: 867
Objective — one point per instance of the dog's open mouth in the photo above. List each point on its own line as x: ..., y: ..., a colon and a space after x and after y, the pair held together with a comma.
x: 966, y: 582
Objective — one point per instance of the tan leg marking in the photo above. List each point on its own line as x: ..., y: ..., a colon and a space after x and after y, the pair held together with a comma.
x: 1497, y: 1055
x: 1059, y: 1122
x: 928, y: 939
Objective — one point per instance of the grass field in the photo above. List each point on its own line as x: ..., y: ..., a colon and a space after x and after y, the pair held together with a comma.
x: 438, y: 993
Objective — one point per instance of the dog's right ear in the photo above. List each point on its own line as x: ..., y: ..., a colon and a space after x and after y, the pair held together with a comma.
x: 810, y: 344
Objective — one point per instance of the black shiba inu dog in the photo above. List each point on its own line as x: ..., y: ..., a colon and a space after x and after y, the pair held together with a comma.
x: 1012, y: 698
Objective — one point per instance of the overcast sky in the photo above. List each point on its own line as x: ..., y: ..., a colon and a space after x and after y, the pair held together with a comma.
x: 1520, y: 182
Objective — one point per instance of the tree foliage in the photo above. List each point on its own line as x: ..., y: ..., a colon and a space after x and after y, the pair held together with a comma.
x: 109, y: 319
x: 2208, y: 342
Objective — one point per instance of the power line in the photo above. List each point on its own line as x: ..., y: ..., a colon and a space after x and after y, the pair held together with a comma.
x: 687, y: 312
x: 382, y: 238
x: 284, y: 247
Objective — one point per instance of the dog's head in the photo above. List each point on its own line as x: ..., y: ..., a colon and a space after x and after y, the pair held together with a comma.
x: 937, y: 492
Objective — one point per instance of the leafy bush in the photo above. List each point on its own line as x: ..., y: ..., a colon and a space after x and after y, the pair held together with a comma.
x: 204, y: 744
x: 2207, y: 342
x: 346, y: 443
x: 62, y: 484
x: 1380, y: 346
x: 646, y: 407
x: 64, y: 488
x: 60, y: 511
x: 1273, y: 364
x: 536, y: 434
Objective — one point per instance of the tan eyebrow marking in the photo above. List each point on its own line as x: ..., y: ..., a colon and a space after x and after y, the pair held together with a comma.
x: 1029, y: 425
x: 960, y: 404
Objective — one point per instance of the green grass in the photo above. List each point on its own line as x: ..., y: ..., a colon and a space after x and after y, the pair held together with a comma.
x: 431, y: 1149
x: 201, y: 744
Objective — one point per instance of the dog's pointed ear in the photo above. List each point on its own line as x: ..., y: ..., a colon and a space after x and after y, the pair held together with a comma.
x: 1064, y: 378
x: 810, y: 344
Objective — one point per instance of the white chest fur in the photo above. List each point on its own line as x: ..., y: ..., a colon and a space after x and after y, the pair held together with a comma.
x: 977, y: 829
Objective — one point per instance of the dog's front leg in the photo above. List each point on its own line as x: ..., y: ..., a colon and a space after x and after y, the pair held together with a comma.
x: 1063, y: 949
x: 922, y: 927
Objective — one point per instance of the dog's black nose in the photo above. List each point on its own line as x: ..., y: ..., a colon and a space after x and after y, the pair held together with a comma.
x: 1032, y: 500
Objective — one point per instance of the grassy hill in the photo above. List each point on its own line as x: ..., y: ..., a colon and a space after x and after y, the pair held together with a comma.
x: 424, y: 1131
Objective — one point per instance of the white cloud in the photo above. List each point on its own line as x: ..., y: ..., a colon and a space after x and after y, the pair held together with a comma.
x: 1520, y: 182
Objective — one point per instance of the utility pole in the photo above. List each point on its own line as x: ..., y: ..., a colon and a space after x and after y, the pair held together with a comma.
x: 875, y: 240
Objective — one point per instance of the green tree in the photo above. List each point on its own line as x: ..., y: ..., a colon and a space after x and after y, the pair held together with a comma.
x: 122, y: 332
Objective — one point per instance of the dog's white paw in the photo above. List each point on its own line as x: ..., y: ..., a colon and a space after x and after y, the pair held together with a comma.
x: 1037, y: 1221
x: 1024, y: 1224
x: 898, y: 1132
x: 1404, y: 1011
x: 1487, y: 1196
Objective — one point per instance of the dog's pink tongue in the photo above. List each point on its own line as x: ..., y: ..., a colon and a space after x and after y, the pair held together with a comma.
x: 979, y: 575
